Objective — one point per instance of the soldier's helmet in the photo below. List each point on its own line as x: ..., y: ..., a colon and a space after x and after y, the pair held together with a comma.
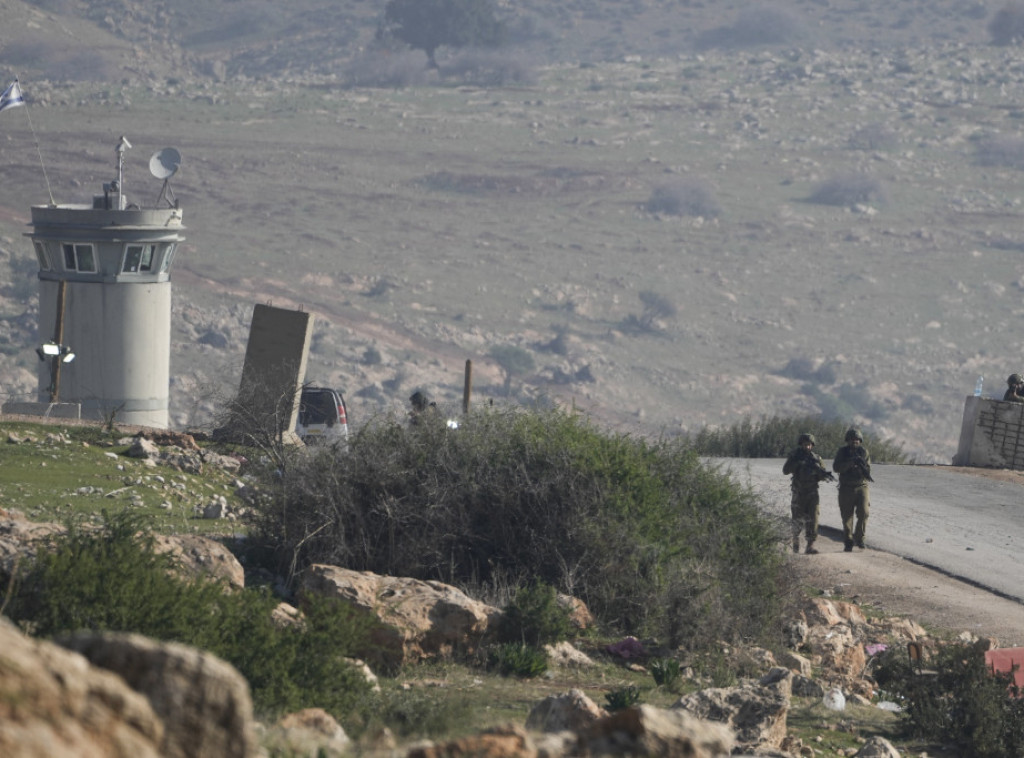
x: 419, y: 400
x: 854, y: 434
x: 805, y: 437
x: 1015, y: 379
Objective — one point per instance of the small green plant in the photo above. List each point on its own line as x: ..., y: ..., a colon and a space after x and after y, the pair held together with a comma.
x: 534, y: 617
x: 623, y: 697
x: 518, y: 659
x: 964, y: 702
x: 716, y: 666
x: 666, y: 672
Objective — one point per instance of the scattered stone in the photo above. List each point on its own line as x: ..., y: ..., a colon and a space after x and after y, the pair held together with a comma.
x: 572, y: 710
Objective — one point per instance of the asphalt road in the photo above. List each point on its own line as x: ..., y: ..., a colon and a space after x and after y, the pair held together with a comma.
x: 967, y: 526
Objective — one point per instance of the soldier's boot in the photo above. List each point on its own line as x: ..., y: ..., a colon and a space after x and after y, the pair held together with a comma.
x: 848, y: 547
x: 811, y: 550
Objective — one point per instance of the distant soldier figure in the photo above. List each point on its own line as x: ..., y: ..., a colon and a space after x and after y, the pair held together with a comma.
x: 806, y: 468
x: 421, y: 406
x: 853, y: 464
x: 1014, y: 389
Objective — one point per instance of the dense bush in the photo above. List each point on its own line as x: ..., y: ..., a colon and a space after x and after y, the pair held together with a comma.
x: 534, y: 617
x: 684, y: 197
x: 1006, y: 26
x: 111, y: 580
x: 775, y: 437
x: 964, y: 703
x: 849, y: 188
x: 518, y: 659
x: 650, y: 538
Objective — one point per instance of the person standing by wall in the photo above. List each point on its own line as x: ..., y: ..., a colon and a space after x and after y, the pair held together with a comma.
x: 853, y: 464
x: 806, y: 468
x: 1014, y: 389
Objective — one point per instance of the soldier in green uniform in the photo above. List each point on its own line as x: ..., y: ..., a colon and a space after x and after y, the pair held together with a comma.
x: 853, y: 464
x: 805, y: 466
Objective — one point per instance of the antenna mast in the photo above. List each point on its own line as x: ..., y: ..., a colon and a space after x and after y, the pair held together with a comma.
x: 123, y: 146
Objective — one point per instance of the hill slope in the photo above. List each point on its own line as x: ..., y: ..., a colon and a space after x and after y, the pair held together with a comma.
x: 424, y: 226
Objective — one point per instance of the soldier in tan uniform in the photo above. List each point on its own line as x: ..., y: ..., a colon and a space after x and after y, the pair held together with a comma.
x: 806, y: 468
x: 853, y: 464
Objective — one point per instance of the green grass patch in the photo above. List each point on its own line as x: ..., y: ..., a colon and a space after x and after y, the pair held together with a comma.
x: 56, y: 473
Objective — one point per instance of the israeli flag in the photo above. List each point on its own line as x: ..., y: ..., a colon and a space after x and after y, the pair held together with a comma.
x: 11, y: 96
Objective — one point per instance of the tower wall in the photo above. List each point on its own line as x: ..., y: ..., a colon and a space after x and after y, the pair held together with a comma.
x: 120, y: 334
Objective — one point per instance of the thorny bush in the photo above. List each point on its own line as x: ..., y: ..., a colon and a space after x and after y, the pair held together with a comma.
x: 649, y: 537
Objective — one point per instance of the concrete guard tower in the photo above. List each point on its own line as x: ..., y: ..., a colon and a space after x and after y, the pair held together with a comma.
x: 105, y: 299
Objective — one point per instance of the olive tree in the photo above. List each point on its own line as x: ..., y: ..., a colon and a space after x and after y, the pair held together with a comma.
x: 429, y: 24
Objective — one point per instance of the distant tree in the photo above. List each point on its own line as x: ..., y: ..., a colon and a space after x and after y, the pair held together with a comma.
x: 513, y: 361
x: 429, y: 24
x: 1007, y: 24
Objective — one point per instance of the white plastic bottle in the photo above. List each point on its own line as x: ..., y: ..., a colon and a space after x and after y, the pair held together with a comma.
x: 978, y: 385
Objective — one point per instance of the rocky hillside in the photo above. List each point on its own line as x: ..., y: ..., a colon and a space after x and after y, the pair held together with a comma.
x: 823, y: 196
x: 103, y: 41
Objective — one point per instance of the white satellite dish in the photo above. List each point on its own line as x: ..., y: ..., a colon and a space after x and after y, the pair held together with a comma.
x: 164, y: 163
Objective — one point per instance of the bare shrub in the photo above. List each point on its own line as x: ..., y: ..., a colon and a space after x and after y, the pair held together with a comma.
x: 849, y: 188
x: 490, y: 68
x: 1000, y: 151
x: 684, y: 197
x: 1007, y: 24
x: 383, y: 68
x: 873, y: 137
x: 756, y: 26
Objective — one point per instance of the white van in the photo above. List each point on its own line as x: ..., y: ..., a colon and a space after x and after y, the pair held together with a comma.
x: 322, y: 416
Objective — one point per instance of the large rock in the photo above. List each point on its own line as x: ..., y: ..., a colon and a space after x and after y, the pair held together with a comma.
x: 309, y: 732
x: 498, y: 742
x: 838, y: 650
x: 422, y: 619
x: 645, y: 731
x: 202, y: 557
x: 821, y: 611
x: 756, y: 713
x: 53, y: 703
x: 571, y: 710
x: 204, y: 703
x: 878, y: 747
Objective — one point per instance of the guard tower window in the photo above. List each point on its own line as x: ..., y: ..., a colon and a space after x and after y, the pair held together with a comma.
x: 168, y: 257
x: 42, y: 256
x: 79, y: 258
x: 138, y: 259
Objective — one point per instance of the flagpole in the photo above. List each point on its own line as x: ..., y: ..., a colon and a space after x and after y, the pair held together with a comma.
x: 39, y: 152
